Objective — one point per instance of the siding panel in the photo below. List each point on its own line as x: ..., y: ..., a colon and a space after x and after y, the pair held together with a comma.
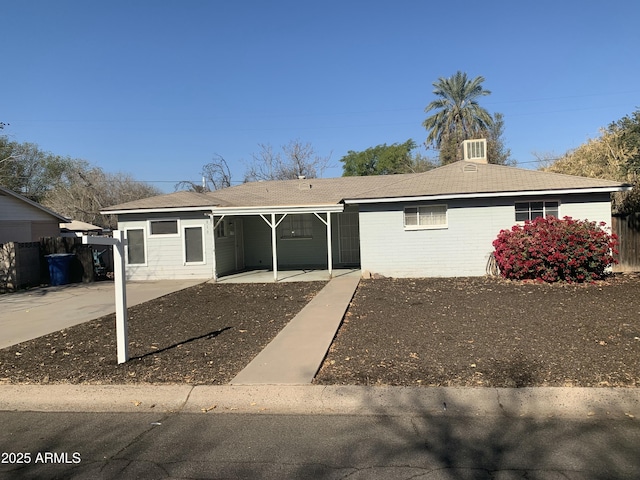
x: 165, y: 254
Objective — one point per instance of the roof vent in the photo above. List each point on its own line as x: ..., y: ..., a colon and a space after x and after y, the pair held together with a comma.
x: 470, y: 168
x: 475, y: 150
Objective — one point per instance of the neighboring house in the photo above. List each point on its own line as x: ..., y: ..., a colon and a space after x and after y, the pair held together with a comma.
x: 437, y: 223
x: 23, y: 220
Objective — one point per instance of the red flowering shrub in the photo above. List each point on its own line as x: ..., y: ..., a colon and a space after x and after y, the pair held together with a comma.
x: 551, y: 250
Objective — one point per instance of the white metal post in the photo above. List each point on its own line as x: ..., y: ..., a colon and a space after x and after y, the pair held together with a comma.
x: 274, y: 248
x: 120, y: 282
x: 329, y: 252
x: 121, y: 296
x: 214, y: 225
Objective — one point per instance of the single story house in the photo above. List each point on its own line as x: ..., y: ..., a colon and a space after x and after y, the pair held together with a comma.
x: 23, y: 220
x: 437, y: 223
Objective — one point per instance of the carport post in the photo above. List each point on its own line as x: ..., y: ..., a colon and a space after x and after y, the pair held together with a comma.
x: 329, y: 251
x: 327, y: 222
x: 118, y: 242
x: 274, y: 247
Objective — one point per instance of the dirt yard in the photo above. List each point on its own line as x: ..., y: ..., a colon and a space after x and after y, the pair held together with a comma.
x: 204, y: 334
x: 465, y: 331
x: 489, y: 332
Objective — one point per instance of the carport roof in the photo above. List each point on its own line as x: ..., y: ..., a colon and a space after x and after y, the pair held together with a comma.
x: 457, y: 180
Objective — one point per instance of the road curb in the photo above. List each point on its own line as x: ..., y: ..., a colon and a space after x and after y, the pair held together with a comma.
x: 356, y: 400
x: 94, y: 398
x: 316, y: 399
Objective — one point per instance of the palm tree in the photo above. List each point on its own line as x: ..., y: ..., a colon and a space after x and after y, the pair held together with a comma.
x: 458, y: 116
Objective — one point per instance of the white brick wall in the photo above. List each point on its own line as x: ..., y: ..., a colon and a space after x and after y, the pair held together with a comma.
x: 463, y: 248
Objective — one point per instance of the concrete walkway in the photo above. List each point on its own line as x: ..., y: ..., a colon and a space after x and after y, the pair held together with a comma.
x: 294, y: 356
x: 32, y: 313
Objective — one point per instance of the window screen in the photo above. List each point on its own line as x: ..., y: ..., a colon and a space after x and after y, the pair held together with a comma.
x: 164, y: 227
x: 135, y: 247
x: 532, y: 210
x: 194, y: 251
x: 296, y: 226
x: 428, y: 216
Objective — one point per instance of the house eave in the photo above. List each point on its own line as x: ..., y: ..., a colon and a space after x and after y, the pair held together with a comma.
x: 156, y: 210
x: 279, y: 209
x: 520, y: 193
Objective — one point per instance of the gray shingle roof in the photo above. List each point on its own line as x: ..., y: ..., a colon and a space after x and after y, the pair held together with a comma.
x: 172, y: 200
x: 460, y: 178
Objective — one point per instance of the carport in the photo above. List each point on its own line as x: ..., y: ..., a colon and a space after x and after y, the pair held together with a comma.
x: 273, y: 217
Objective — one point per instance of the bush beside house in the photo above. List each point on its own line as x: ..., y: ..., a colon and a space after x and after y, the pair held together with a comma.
x: 551, y: 249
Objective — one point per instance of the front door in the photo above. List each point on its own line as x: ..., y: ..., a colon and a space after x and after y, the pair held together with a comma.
x: 349, y: 238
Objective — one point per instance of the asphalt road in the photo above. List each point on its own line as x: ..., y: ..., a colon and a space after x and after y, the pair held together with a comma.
x: 260, y: 446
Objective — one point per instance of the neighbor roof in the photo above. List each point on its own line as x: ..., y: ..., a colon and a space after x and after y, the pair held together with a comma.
x: 11, y: 193
x: 78, y: 226
x: 459, y: 179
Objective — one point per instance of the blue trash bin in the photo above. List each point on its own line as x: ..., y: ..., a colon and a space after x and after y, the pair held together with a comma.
x: 59, y: 267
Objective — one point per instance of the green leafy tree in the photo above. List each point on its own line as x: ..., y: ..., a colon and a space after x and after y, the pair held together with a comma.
x: 497, y: 152
x: 629, y: 129
x: 385, y: 160
x: 74, y: 188
x: 614, y: 155
x: 26, y: 169
x: 458, y: 116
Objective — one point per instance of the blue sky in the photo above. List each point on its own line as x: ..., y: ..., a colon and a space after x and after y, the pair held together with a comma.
x: 156, y: 88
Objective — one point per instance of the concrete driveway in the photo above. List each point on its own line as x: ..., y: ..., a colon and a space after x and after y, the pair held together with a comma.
x: 30, y: 314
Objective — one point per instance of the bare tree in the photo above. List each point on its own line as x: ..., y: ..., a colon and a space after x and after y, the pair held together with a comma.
x: 295, y: 160
x: 215, y: 175
x: 84, y: 191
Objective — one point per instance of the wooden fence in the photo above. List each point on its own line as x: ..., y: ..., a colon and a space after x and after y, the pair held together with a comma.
x: 24, y: 265
x: 19, y: 266
x: 627, y: 228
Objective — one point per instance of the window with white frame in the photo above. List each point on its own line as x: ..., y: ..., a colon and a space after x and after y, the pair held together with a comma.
x: 296, y: 227
x: 193, y: 245
x: 163, y: 227
x: 532, y: 210
x: 424, y: 217
x: 135, y: 247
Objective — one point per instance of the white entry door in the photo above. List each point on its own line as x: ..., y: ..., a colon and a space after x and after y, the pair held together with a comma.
x: 349, y: 238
